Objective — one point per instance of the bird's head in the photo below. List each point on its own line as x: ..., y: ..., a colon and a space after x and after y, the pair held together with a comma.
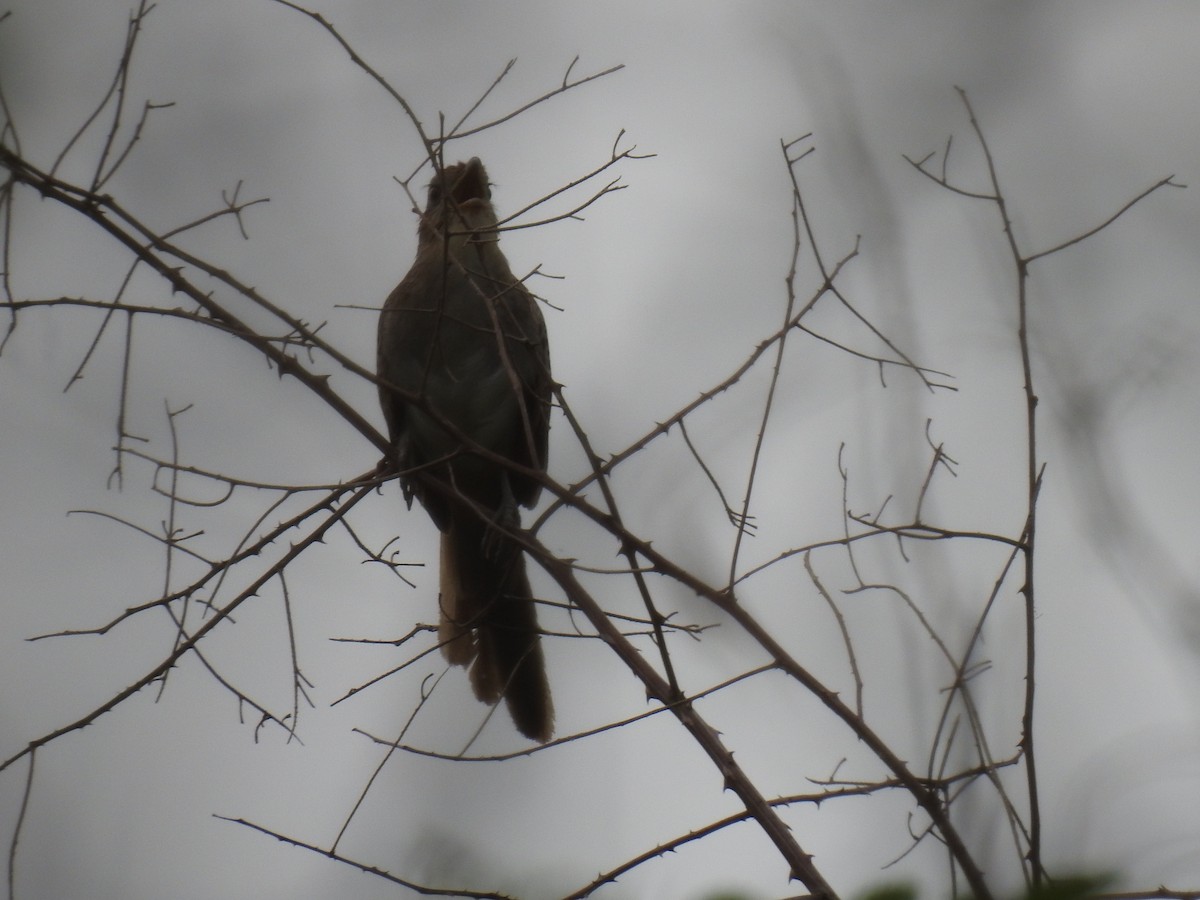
x: 460, y: 200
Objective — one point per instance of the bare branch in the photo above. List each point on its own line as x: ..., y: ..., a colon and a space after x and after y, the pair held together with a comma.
x: 565, y: 86
x: 217, y: 569
x: 1169, y: 181
x: 184, y: 646
x: 1032, y: 484
x: 364, y: 867
x: 430, y: 147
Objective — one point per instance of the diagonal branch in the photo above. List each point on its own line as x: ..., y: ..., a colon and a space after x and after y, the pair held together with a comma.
x: 705, y: 735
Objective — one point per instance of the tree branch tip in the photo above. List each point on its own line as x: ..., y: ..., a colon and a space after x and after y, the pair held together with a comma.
x: 794, y: 141
x: 567, y: 74
x: 919, y: 164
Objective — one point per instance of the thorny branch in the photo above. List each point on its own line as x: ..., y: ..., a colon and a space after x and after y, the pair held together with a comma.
x: 1036, y: 872
x: 184, y: 646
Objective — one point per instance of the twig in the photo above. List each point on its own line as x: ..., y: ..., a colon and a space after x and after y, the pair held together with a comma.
x: 575, y: 736
x: 566, y: 85
x: 769, y: 400
x: 364, y: 867
x: 172, y: 658
x: 17, y: 828
x: 655, y: 617
x: 1030, y: 531
x: 841, y: 622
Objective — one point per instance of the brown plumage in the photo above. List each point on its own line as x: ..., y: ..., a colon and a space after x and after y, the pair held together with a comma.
x: 463, y: 334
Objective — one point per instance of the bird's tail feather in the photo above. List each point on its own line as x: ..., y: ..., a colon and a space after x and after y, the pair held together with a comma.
x: 489, y: 621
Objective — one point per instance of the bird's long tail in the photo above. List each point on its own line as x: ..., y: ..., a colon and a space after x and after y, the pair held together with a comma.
x: 489, y: 622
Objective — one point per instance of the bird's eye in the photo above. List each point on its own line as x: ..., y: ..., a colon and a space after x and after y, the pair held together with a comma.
x: 435, y: 194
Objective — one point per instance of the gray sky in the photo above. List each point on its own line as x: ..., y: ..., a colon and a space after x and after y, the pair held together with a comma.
x: 667, y: 286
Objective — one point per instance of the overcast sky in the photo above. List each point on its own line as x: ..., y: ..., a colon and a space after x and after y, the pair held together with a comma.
x: 666, y: 286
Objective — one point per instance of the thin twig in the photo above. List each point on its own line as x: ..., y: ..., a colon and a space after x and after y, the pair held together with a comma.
x: 776, y: 367
x: 17, y: 828
x: 172, y: 658
x: 364, y: 867
x: 1169, y: 181
x: 1030, y: 531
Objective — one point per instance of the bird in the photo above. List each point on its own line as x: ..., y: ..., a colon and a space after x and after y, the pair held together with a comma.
x: 461, y: 340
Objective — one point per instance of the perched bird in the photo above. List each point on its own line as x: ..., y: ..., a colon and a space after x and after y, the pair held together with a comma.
x: 462, y: 340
